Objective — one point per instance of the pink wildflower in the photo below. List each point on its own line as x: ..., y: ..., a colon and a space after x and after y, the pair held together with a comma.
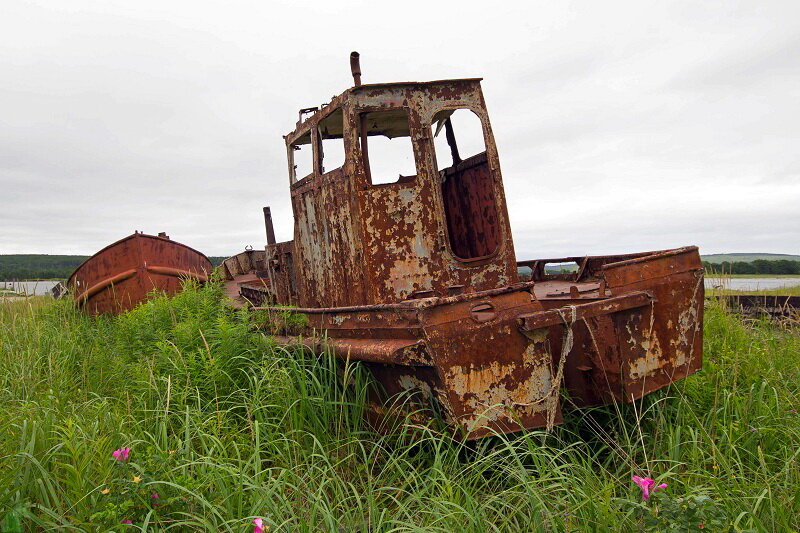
x: 258, y: 525
x: 126, y: 522
x: 121, y: 454
x: 648, y: 486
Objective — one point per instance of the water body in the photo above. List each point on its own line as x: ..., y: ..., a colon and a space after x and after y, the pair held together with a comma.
x: 36, y: 288
x: 29, y: 288
x: 752, y: 284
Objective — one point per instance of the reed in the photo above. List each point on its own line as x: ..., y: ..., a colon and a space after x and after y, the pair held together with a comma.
x: 224, y: 426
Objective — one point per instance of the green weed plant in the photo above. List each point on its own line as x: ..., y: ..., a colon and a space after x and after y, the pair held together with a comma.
x: 225, y: 426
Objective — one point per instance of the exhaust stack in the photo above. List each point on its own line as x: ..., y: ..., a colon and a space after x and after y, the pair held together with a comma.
x: 268, y: 225
x: 355, y: 67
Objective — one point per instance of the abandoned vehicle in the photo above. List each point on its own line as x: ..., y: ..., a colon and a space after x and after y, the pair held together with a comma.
x: 405, y: 261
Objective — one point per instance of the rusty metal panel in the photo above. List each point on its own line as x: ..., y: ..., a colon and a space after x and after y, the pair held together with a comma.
x: 281, y: 272
x: 462, y: 359
x: 471, y: 208
x: 494, y: 379
x: 400, y: 250
x: 638, y: 323
x: 665, y: 340
x: 122, y: 275
x: 326, y: 251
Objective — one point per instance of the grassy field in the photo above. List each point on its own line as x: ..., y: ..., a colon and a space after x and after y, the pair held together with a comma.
x: 8, y: 293
x: 223, y: 426
x: 748, y: 257
x: 783, y: 291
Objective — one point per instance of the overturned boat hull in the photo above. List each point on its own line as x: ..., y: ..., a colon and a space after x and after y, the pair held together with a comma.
x: 122, y: 275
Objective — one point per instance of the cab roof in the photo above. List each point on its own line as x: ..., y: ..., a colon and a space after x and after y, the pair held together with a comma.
x: 388, y: 127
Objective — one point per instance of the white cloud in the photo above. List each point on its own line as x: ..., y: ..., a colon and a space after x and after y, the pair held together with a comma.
x: 632, y: 127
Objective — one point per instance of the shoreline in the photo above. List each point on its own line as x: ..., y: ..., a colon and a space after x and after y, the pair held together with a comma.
x: 754, y: 276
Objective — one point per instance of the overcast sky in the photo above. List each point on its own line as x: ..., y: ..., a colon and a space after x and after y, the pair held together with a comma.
x: 621, y: 126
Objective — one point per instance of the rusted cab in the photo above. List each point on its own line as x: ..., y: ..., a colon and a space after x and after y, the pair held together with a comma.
x: 382, y: 222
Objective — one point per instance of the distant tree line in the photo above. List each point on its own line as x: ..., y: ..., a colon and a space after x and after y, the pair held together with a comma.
x: 38, y: 266
x: 20, y: 267
x: 759, y: 266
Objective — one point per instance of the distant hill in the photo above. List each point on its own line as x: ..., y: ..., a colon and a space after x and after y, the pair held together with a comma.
x: 748, y: 257
x: 38, y: 266
x: 44, y: 266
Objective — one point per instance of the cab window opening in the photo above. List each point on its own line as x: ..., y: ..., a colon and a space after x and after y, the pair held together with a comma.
x: 386, y: 148
x: 467, y: 187
x: 302, y: 160
x: 331, y: 142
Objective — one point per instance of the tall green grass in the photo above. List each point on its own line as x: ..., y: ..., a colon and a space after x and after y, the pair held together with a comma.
x: 225, y: 426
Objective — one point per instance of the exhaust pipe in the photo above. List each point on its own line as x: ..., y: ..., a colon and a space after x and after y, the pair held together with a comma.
x: 268, y: 224
x: 355, y: 68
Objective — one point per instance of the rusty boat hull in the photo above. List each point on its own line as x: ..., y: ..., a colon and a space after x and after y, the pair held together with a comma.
x: 496, y: 361
x: 123, y: 274
x: 634, y: 322
x: 245, y: 278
